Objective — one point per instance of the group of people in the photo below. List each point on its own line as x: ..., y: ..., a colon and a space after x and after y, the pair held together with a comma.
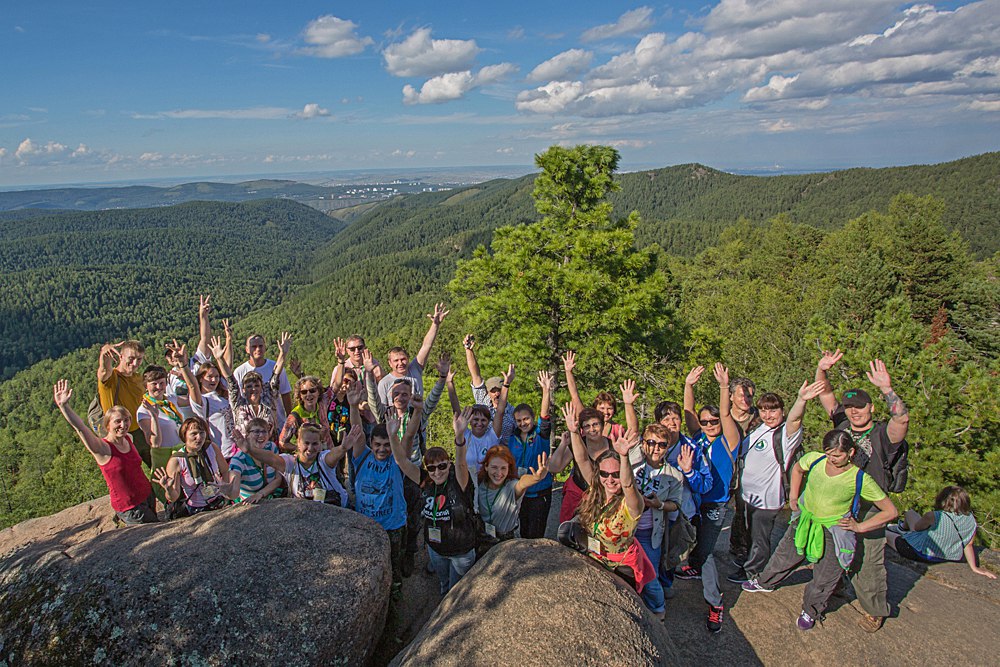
x: 639, y: 500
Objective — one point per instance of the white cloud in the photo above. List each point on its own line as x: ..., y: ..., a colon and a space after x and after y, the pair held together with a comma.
x: 565, y: 65
x: 18, y: 28
x: 81, y: 151
x: 401, y: 153
x: 312, y: 110
x: 332, y: 37
x: 630, y: 22
x: 985, y: 105
x: 255, y: 113
x: 505, y: 151
x: 28, y: 149
x: 515, y: 34
x: 419, y: 55
x: 151, y: 157
x: 263, y: 37
x: 780, y: 125
x: 454, y: 85
x: 3, y: 152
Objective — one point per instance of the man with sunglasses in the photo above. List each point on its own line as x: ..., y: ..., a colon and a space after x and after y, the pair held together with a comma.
x: 256, y: 348
x: 488, y: 393
x: 714, y: 430
x: 359, y: 359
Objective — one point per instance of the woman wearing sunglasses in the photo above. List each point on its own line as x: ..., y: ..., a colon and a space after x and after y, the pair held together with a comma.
x: 447, y: 506
x: 611, y: 508
x: 309, y: 409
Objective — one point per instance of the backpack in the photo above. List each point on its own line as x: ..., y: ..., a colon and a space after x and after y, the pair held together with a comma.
x: 95, y: 411
x: 896, y: 469
x: 858, y: 480
x: 779, y: 456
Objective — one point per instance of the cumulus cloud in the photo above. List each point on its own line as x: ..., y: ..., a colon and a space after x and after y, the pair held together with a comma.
x: 800, y: 56
x: 454, y: 85
x: 81, y: 151
x: 505, y: 151
x: 312, y: 110
x: 401, y: 153
x: 419, y: 55
x: 3, y: 152
x: 562, y: 66
x: 28, y: 149
x: 631, y: 22
x: 332, y: 37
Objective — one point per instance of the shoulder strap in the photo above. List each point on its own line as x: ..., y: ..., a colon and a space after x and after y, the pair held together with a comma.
x: 856, y: 505
x: 363, y: 457
x: 814, y: 463
x: 777, y: 444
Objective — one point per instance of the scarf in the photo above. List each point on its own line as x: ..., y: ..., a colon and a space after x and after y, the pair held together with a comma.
x: 166, y: 406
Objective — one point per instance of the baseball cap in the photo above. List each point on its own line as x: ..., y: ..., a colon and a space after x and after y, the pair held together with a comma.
x: 855, y: 398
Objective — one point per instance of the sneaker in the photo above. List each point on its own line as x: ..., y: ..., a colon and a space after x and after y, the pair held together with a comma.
x: 714, y: 621
x: 805, y: 622
x: 687, y: 572
x: 669, y: 592
x: 738, y: 577
x: 751, y: 586
x: 739, y: 561
x: 871, y: 624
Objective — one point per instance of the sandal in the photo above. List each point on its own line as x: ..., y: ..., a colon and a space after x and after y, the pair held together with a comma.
x: 871, y: 624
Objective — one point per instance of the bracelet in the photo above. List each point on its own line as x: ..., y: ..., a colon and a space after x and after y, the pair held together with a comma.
x: 507, y: 386
x: 460, y: 444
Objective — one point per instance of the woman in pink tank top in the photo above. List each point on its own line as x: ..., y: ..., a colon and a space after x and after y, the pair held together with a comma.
x: 131, y: 493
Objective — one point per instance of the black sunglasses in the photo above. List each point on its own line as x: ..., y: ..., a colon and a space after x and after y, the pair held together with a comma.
x: 312, y: 390
x: 431, y: 467
x: 656, y: 443
x: 355, y: 348
x: 709, y: 422
x: 605, y: 474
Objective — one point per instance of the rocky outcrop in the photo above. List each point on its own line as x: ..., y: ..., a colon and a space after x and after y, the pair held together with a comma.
x: 535, y: 602
x: 285, y: 582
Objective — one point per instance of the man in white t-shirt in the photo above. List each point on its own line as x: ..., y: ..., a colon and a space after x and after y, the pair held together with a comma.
x: 400, y: 365
x: 762, y: 481
x: 256, y: 351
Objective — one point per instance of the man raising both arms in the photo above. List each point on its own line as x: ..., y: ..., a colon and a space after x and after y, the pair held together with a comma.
x: 880, y: 450
x: 400, y: 365
x: 258, y: 362
x: 121, y: 384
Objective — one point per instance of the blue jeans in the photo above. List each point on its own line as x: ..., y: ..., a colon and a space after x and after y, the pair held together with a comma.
x: 652, y: 592
x: 450, y: 568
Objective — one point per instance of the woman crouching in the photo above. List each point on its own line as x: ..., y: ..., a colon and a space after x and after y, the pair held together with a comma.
x: 197, y: 473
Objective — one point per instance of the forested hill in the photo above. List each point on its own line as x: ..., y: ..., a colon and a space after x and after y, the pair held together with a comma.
x: 75, y: 279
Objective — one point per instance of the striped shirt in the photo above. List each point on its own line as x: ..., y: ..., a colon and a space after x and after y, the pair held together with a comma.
x: 251, y: 479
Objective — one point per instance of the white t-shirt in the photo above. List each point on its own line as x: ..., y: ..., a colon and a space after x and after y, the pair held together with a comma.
x: 220, y: 421
x: 476, y: 448
x: 297, y: 475
x: 414, y: 372
x: 761, y: 481
x: 266, y: 370
x: 169, y: 429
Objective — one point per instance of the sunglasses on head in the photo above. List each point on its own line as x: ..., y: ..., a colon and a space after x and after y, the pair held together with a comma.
x: 605, y: 474
x: 709, y: 422
x: 659, y: 444
x: 431, y: 467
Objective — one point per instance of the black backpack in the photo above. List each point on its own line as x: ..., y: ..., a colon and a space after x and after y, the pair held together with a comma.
x: 896, y: 468
x: 779, y: 456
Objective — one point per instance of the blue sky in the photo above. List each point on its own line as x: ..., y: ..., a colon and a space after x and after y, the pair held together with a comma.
x: 99, y: 91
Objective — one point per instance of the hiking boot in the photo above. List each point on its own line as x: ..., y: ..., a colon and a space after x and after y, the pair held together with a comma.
x: 751, y: 586
x: 738, y: 577
x: 407, y: 565
x: 871, y: 624
x: 805, y: 622
x: 714, y: 620
x: 687, y: 572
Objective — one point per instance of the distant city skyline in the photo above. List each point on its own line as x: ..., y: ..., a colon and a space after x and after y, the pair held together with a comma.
x: 103, y: 92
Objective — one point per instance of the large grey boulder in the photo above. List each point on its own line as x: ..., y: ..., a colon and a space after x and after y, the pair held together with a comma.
x: 287, y: 582
x: 535, y: 602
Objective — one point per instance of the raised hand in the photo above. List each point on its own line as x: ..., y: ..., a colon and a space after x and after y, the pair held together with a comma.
x: 461, y: 421
x: 569, y: 361
x: 355, y: 392
x: 569, y: 415
x: 204, y: 307
x: 340, y: 349
x: 392, y: 424
x: 721, y: 374
x: 161, y: 477
x: 227, y: 328
x: 285, y: 342
x: 111, y: 351
x: 808, y: 391
x: 217, y: 347
x: 417, y: 403
x: 540, y: 471
x: 295, y: 365
x: 440, y: 312
x: 546, y: 381
x: 449, y: 378
x: 508, y: 377
x: 628, y: 392
x: 444, y: 365
x: 625, y: 443
x: 694, y: 375
x: 61, y: 392
x: 469, y: 341
x: 685, y: 458
x: 879, y: 376
x: 180, y: 354
x: 368, y: 359
x: 829, y: 360
x: 241, y: 441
